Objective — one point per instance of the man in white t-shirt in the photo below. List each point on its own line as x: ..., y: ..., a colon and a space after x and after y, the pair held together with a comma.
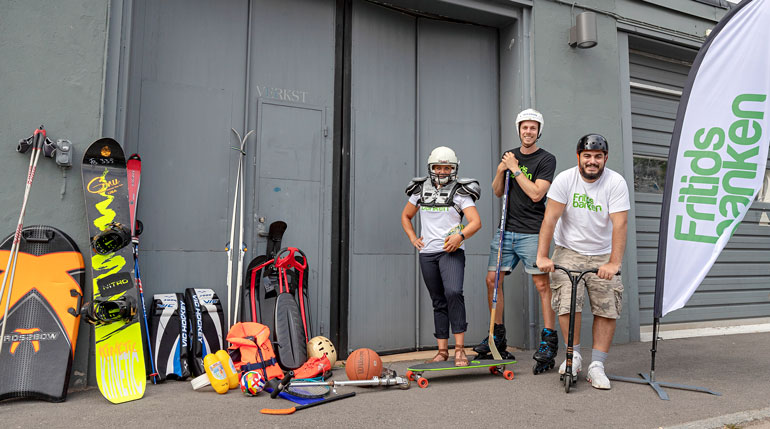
x: 586, y: 215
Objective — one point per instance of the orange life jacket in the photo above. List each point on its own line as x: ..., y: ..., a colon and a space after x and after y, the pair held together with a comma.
x: 252, y: 340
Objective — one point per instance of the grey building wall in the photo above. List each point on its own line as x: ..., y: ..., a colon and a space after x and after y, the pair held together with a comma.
x: 578, y: 91
x: 55, y: 73
x: 51, y: 73
x: 583, y: 91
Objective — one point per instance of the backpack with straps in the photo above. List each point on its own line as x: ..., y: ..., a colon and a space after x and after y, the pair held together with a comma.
x: 251, y: 349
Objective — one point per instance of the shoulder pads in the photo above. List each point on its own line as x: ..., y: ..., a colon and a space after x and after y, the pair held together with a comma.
x: 469, y: 187
x: 415, y: 186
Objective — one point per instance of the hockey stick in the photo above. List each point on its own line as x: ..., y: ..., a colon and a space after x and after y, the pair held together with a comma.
x: 38, y: 138
x: 134, y: 169
x: 291, y: 410
x: 242, y: 251
x: 491, y: 340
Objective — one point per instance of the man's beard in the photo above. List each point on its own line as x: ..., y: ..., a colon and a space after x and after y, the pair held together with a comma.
x: 591, y: 176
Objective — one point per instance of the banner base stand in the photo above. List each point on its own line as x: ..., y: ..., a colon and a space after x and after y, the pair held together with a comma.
x: 658, y: 385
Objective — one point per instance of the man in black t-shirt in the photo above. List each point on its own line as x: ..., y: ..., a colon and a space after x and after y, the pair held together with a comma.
x: 531, y: 172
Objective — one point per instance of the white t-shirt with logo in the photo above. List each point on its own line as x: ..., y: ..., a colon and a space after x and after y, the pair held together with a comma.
x: 585, y: 225
x: 436, y: 222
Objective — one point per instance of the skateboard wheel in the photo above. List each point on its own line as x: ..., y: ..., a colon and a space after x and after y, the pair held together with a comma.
x: 422, y: 382
x: 493, y: 370
x: 508, y: 375
x: 410, y: 375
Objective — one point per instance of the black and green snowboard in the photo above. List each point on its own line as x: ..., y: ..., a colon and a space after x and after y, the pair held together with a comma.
x: 119, y: 353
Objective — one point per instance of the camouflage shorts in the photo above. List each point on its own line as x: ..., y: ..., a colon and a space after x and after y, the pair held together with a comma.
x: 606, y: 296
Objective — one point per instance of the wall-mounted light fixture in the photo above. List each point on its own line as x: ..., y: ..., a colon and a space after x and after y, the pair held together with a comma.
x: 583, y: 33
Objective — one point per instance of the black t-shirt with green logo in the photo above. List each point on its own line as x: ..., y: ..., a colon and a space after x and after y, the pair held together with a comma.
x: 524, y: 215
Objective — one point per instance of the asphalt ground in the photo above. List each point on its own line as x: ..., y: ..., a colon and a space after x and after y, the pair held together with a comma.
x: 737, y: 366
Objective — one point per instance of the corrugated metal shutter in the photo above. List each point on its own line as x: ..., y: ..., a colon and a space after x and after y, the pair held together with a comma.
x: 738, y: 286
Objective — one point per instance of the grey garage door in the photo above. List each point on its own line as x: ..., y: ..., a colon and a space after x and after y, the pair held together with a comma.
x: 198, y: 69
x: 417, y: 84
x: 738, y: 285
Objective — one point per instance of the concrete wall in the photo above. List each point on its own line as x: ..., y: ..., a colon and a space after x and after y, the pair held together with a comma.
x: 51, y: 73
x: 580, y: 91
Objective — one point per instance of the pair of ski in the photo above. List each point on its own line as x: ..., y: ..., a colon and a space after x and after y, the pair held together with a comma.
x: 229, y: 247
x: 111, y: 188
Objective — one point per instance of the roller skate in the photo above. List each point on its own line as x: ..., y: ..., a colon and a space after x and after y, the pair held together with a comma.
x: 545, y: 356
x: 482, y: 349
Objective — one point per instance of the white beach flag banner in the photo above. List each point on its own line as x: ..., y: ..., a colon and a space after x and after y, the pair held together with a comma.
x: 718, y: 151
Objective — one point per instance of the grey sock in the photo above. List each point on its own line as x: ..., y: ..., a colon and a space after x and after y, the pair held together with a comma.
x: 598, y: 356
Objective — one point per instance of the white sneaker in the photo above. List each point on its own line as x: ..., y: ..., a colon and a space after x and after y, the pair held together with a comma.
x: 596, y: 376
x: 577, y: 364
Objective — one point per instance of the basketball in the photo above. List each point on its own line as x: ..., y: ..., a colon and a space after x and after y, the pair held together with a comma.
x: 363, y: 364
x: 252, y: 382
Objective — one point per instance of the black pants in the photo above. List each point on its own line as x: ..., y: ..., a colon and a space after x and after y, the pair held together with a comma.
x: 443, y: 274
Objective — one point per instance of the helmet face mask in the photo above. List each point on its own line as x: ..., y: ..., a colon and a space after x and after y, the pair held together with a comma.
x: 442, y: 156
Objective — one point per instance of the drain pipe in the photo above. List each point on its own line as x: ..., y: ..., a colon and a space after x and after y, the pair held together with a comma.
x: 528, y: 95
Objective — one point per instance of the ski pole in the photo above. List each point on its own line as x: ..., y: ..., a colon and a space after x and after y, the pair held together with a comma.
x: 38, y: 138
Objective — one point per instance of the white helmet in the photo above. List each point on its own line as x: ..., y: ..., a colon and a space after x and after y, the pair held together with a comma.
x: 443, y: 155
x: 321, y: 346
x: 531, y: 115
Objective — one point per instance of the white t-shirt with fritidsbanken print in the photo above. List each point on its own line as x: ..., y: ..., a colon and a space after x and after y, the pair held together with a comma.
x: 585, y: 225
x: 436, y: 222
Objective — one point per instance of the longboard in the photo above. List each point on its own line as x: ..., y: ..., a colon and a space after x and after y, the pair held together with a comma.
x: 44, y: 317
x: 119, y: 351
x: 414, y: 372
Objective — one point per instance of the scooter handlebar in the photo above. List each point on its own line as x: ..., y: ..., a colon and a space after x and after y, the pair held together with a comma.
x: 568, y: 271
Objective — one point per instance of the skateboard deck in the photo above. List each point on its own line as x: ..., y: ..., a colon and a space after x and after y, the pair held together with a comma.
x: 119, y: 352
x: 43, y: 318
x: 414, y: 372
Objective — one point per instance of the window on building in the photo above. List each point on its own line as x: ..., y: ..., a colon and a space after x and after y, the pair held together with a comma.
x: 649, y: 174
x: 763, y: 196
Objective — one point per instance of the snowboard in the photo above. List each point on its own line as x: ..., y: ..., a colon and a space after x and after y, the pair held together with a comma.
x: 118, y: 347
x: 44, y: 317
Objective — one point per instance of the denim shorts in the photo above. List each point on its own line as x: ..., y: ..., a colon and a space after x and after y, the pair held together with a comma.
x: 516, y: 247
